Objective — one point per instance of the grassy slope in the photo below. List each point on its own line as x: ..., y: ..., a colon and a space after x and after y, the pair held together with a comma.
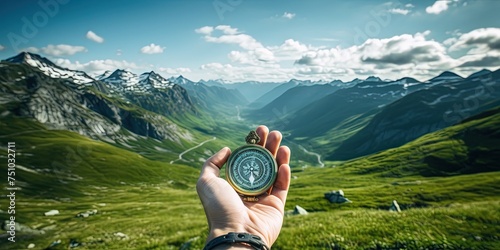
x: 157, y: 207
x: 447, y: 182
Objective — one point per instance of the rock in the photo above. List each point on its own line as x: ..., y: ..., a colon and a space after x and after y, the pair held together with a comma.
x: 87, y: 214
x: 395, y: 207
x: 74, y: 243
x: 121, y: 235
x: 298, y: 210
x: 336, y: 197
x: 53, y: 244
x: 31, y: 246
x: 52, y: 212
x: 6, y: 226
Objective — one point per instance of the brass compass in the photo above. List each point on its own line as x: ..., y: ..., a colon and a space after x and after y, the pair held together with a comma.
x: 251, y: 169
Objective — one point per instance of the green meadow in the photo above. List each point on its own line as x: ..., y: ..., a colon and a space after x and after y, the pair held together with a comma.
x: 447, y: 184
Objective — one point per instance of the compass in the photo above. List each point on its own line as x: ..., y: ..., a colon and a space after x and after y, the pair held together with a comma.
x: 251, y: 169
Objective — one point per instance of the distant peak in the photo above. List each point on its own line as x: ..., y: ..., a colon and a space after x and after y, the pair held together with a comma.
x: 447, y: 75
x: 408, y: 80
x: 480, y: 73
x: 24, y: 56
x: 373, y: 79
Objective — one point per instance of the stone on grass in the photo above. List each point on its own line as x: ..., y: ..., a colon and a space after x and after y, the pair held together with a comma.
x: 31, y: 245
x: 336, y: 197
x: 298, y: 210
x: 20, y: 228
x: 121, y: 235
x: 52, y: 212
x: 395, y: 207
x: 87, y: 214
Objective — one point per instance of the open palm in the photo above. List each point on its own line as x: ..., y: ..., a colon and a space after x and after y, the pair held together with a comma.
x: 227, y: 212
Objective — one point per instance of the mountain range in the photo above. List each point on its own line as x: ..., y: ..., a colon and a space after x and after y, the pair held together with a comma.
x: 339, y: 120
x: 131, y: 145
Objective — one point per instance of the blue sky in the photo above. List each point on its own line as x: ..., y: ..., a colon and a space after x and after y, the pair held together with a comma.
x: 240, y: 40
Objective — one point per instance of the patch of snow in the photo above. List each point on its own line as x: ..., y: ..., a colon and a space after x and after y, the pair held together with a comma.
x: 438, y: 100
x: 75, y: 76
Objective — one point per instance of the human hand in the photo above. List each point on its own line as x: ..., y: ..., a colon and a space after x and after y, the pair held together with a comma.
x: 227, y: 212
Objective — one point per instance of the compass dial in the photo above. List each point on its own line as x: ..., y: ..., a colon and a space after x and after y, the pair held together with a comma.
x: 251, y: 170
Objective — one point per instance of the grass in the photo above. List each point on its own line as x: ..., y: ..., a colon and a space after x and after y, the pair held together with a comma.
x: 155, y: 203
x: 462, y: 226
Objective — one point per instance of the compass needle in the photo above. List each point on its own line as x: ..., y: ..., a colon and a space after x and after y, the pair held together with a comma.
x: 251, y: 169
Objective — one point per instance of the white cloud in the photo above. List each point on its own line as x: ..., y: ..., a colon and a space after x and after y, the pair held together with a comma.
x: 290, y: 50
x: 1, y: 47
x: 288, y: 15
x: 206, y: 30
x: 57, y: 50
x: 175, y: 71
x: 480, y: 41
x: 97, y: 66
x: 409, y: 5
x: 398, y: 56
x: 62, y: 50
x: 416, y: 55
x: 152, y: 49
x: 438, y: 7
x: 226, y: 29
x: 94, y: 37
x: 31, y: 50
x: 118, y: 52
x: 255, y: 52
x: 244, y: 73
x: 399, y: 11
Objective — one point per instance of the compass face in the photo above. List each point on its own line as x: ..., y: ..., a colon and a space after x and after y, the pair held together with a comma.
x: 251, y: 170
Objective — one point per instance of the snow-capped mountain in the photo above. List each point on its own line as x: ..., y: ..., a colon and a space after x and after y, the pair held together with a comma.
x: 97, y: 109
x: 154, y: 80
x: 106, y: 74
x: 437, y: 106
x: 52, y: 70
x: 181, y: 80
x: 347, y: 102
x: 122, y: 80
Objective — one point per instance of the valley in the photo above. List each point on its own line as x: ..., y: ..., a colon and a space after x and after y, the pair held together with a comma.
x: 131, y: 145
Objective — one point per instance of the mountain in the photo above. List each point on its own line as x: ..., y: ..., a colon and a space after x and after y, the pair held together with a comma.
x: 252, y: 90
x: 217, y: 82
x: 275, y: 93
x: 348, y: 104
x: 292, y: 100
x: 469, y: 147
x: 446, y: 76
x: 480, y: 73
x: 60, y: 102
x: 52, y: 70
x: 150, y: 91
x: 436, y: 107
x: 211, y: 98
x: 373, y: 79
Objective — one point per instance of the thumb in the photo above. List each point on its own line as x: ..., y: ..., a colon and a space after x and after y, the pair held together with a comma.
x: 213, y: 164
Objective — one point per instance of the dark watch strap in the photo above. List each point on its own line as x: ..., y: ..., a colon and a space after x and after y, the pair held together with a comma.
x: 253, y: 240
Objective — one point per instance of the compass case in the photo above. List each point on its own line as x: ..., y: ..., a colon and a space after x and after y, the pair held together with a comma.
x: 251, y: 170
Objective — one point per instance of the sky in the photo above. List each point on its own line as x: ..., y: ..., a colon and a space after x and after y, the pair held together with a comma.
x: 258, y: 40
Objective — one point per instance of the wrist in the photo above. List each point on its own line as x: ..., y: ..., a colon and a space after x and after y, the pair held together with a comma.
x: 236, y: 240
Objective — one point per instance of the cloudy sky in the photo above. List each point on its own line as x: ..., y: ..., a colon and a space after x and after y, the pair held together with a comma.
x: 239, y: 40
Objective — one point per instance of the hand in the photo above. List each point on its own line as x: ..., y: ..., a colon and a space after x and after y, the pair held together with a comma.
x: 227, y: 212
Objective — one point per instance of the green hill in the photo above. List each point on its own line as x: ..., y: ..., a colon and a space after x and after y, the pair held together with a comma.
x: 451, y: 203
